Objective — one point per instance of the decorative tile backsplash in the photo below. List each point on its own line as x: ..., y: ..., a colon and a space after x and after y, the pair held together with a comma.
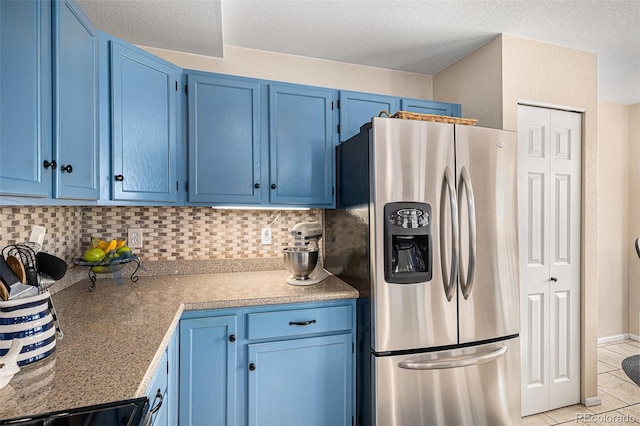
x: 64, y: 228
x: 169, y: 233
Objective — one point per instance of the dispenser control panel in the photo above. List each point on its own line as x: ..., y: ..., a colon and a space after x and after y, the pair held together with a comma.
x: 409, y: 218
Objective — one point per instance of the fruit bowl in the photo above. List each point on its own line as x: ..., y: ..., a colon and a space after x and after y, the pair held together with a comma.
x: 109, y: 265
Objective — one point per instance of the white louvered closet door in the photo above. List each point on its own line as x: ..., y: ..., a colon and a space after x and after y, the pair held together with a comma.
x: 549, y: 182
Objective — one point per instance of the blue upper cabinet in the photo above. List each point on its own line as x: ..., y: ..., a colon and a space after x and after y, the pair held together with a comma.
x: 143, y: 126
x: 75, y: 103
x: 224, y: 140
x: 430, y: 107
x: 301, y: 135
x: 358, y: 108
x: 25, y: 98
x: 254, y: 143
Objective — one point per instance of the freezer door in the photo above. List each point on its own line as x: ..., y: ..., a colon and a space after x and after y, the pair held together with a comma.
x: 413, y: 161
x: 478, y: 385
x: 488, y: 297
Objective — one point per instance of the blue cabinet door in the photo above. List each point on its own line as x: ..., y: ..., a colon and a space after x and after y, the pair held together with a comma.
x: 163, y: 390
x: 208, y: 362
x: 144, y: 146
x: 423, y: 106
x: 25, y: 98
x: 358, y: 108
x: 301, y: 382
x: 224, y: 140
x: 75, y: 121
x: 173, y: 356
x: 158, y: 394
x: 301, y: 146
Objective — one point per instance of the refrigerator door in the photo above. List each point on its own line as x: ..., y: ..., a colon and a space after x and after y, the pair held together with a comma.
x: 488, y: 298
x: 469, y: 386
x: 413, y: 161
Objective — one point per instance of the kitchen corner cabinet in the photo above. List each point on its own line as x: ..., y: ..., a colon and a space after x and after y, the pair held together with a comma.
x: 163, y: 390
x: 358, y: 108
x: 224, y: 140
x: 143, y: 126
x: 269, y: 365
x: 48, y: 103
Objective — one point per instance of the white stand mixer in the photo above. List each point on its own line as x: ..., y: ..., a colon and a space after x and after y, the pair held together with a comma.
x: 305, y: 236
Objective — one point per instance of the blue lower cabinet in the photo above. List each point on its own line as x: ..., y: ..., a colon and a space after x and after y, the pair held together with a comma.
x: 173, y: 357
x: 163, y: 390
x: 158, y: 394
x: 300, y: 382
x: 275, y: 365
x: 208, y: 377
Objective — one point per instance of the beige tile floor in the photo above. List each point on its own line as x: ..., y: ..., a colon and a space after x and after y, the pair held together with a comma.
x: 620, y: 395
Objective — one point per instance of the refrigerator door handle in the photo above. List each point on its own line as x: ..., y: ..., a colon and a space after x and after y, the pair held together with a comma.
x: 454, y: 362
x: 466, y: 283
x: 449, y: 279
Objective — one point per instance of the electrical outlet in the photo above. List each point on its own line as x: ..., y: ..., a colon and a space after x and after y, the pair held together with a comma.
x: 134, y: 238
x: 266, y: 236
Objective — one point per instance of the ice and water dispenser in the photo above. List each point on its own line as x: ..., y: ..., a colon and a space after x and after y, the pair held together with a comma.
x: 407, y: 243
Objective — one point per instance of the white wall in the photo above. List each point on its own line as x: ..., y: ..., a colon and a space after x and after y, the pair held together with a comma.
x: 475, y: 81
x: 303, y: 70
x: 634, y: 220
x: 613, y: 219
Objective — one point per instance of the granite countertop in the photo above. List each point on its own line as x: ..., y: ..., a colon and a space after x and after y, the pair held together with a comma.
x: 114, y: 336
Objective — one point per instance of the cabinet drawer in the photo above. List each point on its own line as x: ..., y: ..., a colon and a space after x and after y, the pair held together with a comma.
x: 264, y: 325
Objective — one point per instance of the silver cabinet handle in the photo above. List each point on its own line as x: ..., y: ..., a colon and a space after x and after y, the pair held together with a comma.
x: 466, y: 283
x: 449, y: 279
x: 454, y: 362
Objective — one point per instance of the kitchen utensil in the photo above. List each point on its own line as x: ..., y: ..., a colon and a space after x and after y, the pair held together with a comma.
x: 4, y: 291
x: 37, y: 237
x: 51, y: 265
x: 17, y: 267
x: 300, y: 261
x: 27, y: 256
x: 7, y: 275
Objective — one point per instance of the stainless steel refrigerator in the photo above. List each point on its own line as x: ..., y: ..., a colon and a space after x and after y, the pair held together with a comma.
x: 425, y: 227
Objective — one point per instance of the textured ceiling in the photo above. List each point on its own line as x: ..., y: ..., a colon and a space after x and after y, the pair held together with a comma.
x: 422, y: 36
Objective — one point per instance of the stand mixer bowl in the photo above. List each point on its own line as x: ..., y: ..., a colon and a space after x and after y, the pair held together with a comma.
x: 300, y: 261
